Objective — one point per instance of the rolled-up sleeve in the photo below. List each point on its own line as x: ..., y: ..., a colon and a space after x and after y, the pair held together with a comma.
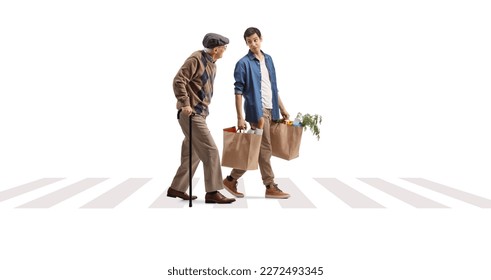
x: 240, y: 78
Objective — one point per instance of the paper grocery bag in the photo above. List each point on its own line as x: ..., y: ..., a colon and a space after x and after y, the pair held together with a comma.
x: 285, y: 140
x: 240, y: 150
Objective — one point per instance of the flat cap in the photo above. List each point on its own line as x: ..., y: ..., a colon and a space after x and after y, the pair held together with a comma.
x: 212, y: 40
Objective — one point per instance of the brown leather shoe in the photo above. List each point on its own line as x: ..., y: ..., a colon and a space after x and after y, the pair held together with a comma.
x: 231, y: 187
x: 217, y: 197
x: 173, y: 193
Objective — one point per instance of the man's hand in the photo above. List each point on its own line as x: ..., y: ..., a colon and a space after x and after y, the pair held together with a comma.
x: 285, y: 115
x: 187, y: 110
x: 241, y: 124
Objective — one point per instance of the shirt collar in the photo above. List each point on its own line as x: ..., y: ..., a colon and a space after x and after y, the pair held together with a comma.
x: 251, y: 55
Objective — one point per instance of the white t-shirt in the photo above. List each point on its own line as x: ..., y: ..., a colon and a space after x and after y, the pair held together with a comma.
x: 266, y: 92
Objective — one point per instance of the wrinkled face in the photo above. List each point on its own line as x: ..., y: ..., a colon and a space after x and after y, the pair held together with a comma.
x: 254, y: 43
x: 219, y: 51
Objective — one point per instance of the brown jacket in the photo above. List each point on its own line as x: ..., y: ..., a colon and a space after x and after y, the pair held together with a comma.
x: 193, y: 83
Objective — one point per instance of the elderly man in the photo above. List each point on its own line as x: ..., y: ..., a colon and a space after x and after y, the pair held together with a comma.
x: 193, y: 88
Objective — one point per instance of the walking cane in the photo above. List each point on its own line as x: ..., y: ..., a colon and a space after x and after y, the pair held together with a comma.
x: 190, y: 160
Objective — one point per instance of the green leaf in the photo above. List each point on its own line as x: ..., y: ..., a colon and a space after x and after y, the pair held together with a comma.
x: 312, y: 122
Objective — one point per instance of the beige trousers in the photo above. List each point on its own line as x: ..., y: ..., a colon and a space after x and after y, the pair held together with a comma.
x: 204, y: 150
x: 265, y: 153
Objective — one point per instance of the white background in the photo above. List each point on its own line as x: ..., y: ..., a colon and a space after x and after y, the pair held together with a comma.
x: 86, y: 91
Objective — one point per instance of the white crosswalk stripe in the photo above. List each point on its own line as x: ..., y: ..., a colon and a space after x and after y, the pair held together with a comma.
x: 313, y: 193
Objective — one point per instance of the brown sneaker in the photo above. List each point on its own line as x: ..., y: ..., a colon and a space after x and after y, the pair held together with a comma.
x: 231, y: 187
x: 272, y: 191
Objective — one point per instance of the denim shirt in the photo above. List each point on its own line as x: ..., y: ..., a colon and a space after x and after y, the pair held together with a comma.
x: 248, y: 83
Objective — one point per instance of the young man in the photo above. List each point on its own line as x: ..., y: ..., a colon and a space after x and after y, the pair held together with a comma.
x: 193, y: 87
x: 255, y: 82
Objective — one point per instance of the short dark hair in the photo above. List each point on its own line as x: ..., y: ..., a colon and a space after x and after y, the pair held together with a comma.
x: 251, y: 31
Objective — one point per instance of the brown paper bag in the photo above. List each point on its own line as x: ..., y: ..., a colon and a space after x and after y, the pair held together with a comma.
x: 240, y: 150
x: 285, y: 140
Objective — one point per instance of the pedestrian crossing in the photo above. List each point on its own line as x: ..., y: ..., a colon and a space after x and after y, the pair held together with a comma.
x: 306, y: 193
